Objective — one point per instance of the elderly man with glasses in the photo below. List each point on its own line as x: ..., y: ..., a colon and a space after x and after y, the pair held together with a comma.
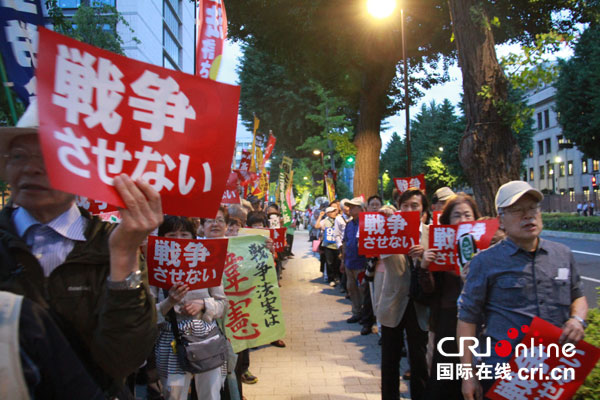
x: 521, y: 277
x: 86, y: 273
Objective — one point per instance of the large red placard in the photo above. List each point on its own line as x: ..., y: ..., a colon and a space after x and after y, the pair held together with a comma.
x: 102, y: 114
x: 551, y: 368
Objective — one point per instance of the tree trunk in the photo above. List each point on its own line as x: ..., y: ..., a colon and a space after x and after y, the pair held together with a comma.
x: 488, y: 151
x: 374, y: 86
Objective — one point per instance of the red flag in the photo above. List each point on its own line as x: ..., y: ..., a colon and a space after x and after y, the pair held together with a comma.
x: 211, y: 32
x: 102, y: 114
x: 231, y: 195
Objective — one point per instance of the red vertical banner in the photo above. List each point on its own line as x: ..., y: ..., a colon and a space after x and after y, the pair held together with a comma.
x: 278, y: 237
x: 211, y: 32
x: 231, y: 195
x: 435, y: 219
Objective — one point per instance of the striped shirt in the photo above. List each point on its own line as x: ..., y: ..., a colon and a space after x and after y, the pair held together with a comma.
x: 50, y: 243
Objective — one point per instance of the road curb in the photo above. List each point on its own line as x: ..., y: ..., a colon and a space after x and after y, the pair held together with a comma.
x: 572, y: 235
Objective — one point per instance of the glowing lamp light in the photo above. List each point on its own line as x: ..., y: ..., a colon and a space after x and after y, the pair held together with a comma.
x: 381, y: 8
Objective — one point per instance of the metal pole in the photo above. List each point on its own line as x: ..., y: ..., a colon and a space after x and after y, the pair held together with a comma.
x: 7, y: 92
x: 406, y: 97
x: 324, y: 175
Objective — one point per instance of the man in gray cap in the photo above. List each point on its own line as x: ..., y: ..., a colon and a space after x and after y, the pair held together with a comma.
x: 85, y: 272
x: 521, y: 277
x: 440, y: 197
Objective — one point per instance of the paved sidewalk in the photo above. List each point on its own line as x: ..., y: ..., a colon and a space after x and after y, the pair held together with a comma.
x: 325, y: 357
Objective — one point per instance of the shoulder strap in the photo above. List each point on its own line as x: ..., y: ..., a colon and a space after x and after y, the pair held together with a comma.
x: 172, y: 318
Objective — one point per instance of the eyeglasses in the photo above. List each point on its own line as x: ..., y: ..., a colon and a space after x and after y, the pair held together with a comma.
x: 522, y: 211
x: 20, y: 157
x: 214, y: 221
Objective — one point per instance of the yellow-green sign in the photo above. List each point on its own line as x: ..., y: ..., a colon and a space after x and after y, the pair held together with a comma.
x: 254, y: 315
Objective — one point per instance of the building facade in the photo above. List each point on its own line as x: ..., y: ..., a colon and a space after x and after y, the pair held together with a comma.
x: 556, y: 166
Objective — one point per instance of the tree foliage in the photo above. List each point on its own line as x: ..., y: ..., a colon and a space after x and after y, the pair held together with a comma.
x: 578, y: 94
x: 94, y: 23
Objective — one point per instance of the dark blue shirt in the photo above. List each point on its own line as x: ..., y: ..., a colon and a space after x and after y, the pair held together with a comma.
x: 351, y: 258
x: 507, y: 286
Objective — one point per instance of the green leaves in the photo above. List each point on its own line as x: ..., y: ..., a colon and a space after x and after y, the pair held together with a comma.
x: 578, y: 94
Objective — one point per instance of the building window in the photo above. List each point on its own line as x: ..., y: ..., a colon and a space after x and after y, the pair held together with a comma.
x: 584, y: 169
x: 570, y: 168
x: 77, y: 3
x: 530, y: 153
x: 172, y: 48
x: 548, y: 146
x: 546, y: 118
x: 542, y: 175
x: 595, y: 165
x: 571, y: 194
x: 539, y: 121
x: 586, y: 192
x: 550, y: 170
x: 561, y: 169
x: 540, y: 147
x: 531, y: 176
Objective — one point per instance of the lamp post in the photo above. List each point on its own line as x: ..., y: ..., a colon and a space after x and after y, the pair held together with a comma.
x: 406, y: 97
x: 557, y: 160
x: 317, y: 152
x: 382, y: 9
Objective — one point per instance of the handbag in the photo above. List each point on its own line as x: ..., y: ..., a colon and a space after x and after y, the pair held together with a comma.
x: 198, y: 354
x: 315, y: 245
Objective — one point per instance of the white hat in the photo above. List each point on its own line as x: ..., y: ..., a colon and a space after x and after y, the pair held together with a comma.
x: 511, y: 192
x: 443, y: 194
x: 330, y: 209
x: 357, y: 201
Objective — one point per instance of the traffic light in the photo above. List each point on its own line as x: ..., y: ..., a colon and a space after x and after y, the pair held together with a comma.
x: 350, y: 160
x: 594, y: 182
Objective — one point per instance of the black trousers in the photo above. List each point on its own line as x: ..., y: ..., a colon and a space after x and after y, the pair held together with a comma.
x: 332, y: 261
x: 391, y: 347
x: 445, y: 326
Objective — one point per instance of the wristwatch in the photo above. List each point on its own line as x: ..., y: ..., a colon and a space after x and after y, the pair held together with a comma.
x: 133, y: 281
x: 581, y: 320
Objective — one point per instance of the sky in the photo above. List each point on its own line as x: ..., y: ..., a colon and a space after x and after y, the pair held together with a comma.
x: 451, y: 90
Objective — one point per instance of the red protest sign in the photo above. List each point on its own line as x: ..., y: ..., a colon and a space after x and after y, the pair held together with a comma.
x: 482, y: 231
x: 278, y: 237
x: 435, y: 219
x: 379, y: 234
x: 102, y: 114
x: 198, y: 263
x: 94, y: 207
x: 211, y: 33
x: 410, y: 182
x: 545, y: 369
x: 231, y: 195
x: 443, y: 238
x: 268, y: 150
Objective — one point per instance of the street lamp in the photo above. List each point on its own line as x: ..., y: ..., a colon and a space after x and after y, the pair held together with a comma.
x: 381, y: 8
x: 557, y: 160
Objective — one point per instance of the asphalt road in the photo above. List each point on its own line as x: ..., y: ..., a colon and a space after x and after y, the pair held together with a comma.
x: 587, y: 256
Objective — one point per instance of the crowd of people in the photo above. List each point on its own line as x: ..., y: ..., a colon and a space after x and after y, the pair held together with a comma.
x: 414, y: 309
x: 79, y: 317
